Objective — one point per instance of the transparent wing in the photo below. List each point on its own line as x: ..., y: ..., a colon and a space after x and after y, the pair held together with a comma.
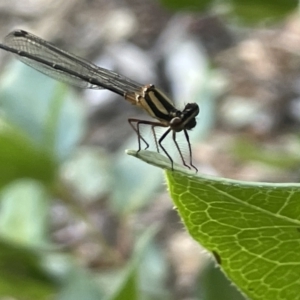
x: 64, y: 66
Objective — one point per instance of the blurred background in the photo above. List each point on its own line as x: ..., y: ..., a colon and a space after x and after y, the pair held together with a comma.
x: 79, y: 219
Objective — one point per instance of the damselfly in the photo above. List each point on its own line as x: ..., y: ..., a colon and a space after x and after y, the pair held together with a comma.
x: 66, y: 67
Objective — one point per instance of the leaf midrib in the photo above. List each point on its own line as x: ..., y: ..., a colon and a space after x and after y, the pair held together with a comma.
x: 256, y: 207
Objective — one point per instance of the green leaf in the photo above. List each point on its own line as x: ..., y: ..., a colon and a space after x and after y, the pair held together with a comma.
x: 89, y: 173
x: 253, y: 11
x: 43, y: 108
x: 128, y: 288
x: 209, y: 278
x: 153, y: 283
x: 249, y: 11
x: 187, y: 5
x: 80, y: 285
x: 19, y: 158
x: 21, y: 275
x: 248, y: 150
x: 24, y: 213
x: 252, y: 228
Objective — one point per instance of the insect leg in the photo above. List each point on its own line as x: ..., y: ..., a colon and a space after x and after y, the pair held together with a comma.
x: 190, y: 149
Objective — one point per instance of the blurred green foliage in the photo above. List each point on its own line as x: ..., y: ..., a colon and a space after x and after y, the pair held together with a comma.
x: 245, y: 11
x: 42, y: 124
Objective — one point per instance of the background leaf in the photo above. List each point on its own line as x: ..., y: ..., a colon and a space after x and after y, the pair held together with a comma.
x: 249, y: 11
x: 24, y: 211
x: 225, y: 291
x: 43, y: 108
x: 255, y: 11
x: 79, y: 284
x: 19, y: 157
x: 129, y: 285
x: 189, y: 4
x: 21, y: 275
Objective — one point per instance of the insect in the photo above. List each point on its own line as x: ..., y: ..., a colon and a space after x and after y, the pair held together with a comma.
x: 66, y: 67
